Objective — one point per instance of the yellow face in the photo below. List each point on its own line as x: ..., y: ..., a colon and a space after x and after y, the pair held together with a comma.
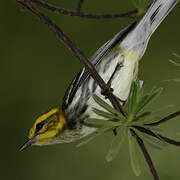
x: 45, y: 129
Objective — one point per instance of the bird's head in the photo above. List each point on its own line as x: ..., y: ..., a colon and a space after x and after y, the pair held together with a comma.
x: 46, y: 128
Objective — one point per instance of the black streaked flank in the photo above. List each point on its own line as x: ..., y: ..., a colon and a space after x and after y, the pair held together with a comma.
x: 96, y: 59
x: 110, y: 59
x: 153, y: 17
x: 94, y: 86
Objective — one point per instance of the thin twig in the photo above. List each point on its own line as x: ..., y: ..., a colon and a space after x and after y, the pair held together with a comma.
x: 146, y: 131
x: 79, y: 5
x: 158, y: 136
x: 146, y: 155
x: 130, y: 14
x: 170, y: 141
x: 167, y: 118
x: 74, y: 48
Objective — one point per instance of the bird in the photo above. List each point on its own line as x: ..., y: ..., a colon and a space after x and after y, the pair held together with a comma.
x: 118, y: 60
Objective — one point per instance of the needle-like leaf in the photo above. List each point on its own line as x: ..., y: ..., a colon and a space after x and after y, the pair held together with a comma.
x: 116, y: 143
x: 152, y: 141
x: 135, y: 94
x: 134, y: 156
x: 105, y: 105
x: 146, y: 118
x: 142, y: 116
x: 146, y: 100
x: 102, y: 122
x: 105, y: 114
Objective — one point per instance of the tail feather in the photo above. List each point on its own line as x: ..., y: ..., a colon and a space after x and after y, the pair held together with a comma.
x: 138, y: 39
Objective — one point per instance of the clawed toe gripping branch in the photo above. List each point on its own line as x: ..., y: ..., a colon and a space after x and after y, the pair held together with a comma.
x: 118, y: 110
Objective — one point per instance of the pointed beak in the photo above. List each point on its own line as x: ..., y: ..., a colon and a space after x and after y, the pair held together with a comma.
x: 28, y: 143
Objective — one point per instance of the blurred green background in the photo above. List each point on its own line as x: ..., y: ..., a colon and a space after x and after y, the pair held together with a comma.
x: 35, y: 70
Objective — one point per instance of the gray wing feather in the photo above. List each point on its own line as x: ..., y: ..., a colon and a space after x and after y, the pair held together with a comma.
x: 138, y: 39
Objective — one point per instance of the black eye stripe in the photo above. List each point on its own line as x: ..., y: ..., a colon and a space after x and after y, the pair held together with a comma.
x: 50, y: 122
x: 39, y: 126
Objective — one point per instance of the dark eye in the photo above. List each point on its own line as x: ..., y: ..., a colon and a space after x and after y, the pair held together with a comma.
x: 39, y: 126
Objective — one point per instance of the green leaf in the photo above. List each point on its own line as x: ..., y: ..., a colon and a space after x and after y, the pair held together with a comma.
x: 116, y: 143
x: 163, y: 108
x: 105, y: 114
x: 152, y: 141
x: 142, y: 116
x: 141, y: 103
x: 133, y: 96
x: 147, y: 99
x: 134, y: 155
x: 146, y: 118
x: 102, y: 122
x: 152, y: 144
x: 139, y: 91
x: 105, y: 105
x: 93, y: 136
x: 137, y: 101
x: 156, y: 130
x: 120, y: 102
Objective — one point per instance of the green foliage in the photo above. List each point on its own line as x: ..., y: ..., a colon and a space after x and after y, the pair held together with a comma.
x: 134, y: 156
x: 105, y: 114
x: 152, y: 141
x: 141, y: 5
x: 110, y: 118
x: 116, y: 143
x: 105, y: 105
x: 102, y: 122
x: 137, y: 100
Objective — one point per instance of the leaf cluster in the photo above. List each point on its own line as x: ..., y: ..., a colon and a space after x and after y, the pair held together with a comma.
x: 136, y: 115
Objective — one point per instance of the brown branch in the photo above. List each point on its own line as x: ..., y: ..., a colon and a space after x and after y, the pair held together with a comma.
x: 78, y: 53
x: 42, y: 4
x: 170, y: 141
x: 146, y: 131
x: 158, y: 136
x: 167, y: 118
x: 146, y: 155
x: 79, y: 5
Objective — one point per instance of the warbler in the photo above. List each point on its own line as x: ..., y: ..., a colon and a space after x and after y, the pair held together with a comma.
x: 117, y: 60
